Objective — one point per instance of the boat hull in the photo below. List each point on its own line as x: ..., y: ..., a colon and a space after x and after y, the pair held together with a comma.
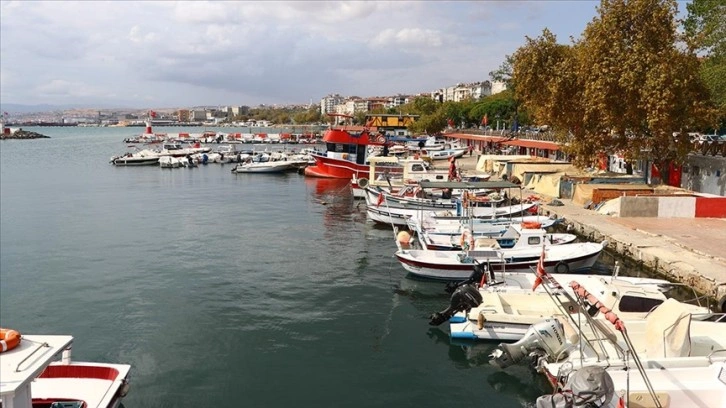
x: 445, y: 265
x: 330, y: 167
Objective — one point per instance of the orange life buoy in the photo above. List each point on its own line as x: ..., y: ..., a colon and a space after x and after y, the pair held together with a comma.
x: 531, y: 225
x: 9, y: 339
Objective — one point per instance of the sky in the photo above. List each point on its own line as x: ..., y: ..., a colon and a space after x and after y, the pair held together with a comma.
x: 194, y: 53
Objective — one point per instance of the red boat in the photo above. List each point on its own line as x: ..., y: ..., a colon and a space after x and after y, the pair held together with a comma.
x: 348, y: 147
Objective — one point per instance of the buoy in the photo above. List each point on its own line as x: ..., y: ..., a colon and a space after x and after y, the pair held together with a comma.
x: 363, y: 182
x: 403, y: 238
x: 9, y: 339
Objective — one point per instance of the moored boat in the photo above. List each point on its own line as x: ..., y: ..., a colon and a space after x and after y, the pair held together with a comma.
x: 457, y: 265
x: 38, y: 372
x: 348, y: 147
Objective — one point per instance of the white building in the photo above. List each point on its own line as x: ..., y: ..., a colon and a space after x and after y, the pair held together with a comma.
x: 328, y: 103
x: 498, y: 86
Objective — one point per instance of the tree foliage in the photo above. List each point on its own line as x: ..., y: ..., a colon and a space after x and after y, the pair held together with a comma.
x: 705, y: 33
x: 623, y: 87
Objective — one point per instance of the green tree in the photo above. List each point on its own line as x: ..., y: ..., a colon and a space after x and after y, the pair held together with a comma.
x: 624, y: 87
x: 705, y: 33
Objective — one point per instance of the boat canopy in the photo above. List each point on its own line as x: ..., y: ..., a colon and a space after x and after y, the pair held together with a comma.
x: 468, y: 185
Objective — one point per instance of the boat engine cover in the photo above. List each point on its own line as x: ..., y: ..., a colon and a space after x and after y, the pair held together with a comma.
x: 587, y: 387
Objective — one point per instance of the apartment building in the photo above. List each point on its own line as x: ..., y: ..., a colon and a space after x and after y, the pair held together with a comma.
x: 328, y: 103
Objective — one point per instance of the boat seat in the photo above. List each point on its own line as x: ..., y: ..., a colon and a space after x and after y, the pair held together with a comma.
x: 644, y: 400
x: 667, y: 331
x: 486, y: 243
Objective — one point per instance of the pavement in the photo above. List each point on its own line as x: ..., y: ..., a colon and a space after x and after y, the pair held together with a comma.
x: 687, y: 250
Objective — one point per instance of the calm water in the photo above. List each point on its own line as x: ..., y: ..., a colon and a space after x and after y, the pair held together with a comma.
x: 225, y: 290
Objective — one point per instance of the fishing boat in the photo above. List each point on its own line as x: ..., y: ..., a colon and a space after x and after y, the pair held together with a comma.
x: 510, y: 303
x: 395, y: 173
x: 348, y: 147
x: 37, y: 371
x: 500, y: 232
x: 457, y: 265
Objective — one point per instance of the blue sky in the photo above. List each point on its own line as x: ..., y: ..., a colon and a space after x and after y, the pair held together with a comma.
x: 182, y: 54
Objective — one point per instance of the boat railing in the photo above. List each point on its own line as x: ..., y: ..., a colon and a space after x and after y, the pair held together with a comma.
x: 595, y: 342
x: 717, y: 351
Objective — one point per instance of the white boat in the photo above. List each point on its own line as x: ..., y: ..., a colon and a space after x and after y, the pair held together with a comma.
x: 39, y: 372
x: 446, y: 154
x: 399, y: 216
x: 510, y: 304
x: 457, y: 265
x: 145, y: 157
x: 178, y: 150
x: 690, y: 386
x: 505, y: 232
x: 672, y: 351
x: 171, y: 162
x: 265, y: 163
x: 393, y: 173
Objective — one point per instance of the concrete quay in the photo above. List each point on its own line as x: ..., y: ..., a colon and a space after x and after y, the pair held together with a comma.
x: 691, y: 251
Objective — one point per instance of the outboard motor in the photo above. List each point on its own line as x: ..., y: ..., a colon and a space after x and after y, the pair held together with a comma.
x: 465, y: 297
x: 546, y: 337
x: 480, y: 270
x: 588, y: 387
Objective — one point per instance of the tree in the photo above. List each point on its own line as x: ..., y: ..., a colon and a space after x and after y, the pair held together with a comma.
x: 624, y: 87
x: 705, y: 33
x: 504, y: 72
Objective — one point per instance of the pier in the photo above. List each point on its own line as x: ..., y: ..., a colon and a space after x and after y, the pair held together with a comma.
x: 684, y: 250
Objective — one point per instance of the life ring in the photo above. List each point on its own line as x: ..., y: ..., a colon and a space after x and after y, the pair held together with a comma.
x: 531, y: 225
x: 381, y: 139
x: 9, y: 339
x: 562, y: 267
x: 363, y: 183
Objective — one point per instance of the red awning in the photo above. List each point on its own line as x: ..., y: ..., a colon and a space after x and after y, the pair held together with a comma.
x: 537, y: 144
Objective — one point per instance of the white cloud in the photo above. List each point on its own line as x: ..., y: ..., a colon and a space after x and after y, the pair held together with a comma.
x: 223, y: 52
x: 410, y: 37
x: 137, y: 35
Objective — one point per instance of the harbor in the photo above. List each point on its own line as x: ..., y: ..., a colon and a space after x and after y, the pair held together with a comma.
x: 278, y: 270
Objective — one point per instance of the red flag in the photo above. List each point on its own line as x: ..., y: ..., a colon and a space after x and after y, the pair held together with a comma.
x: 450, y: 122
x: 152, y: 114
x: 380, y: 199
x: 540, y: 270
x: 621, y: 403
x: 484, y: 120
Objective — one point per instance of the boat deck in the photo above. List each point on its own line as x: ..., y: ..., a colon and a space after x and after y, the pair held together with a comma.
x: 22, y: 364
